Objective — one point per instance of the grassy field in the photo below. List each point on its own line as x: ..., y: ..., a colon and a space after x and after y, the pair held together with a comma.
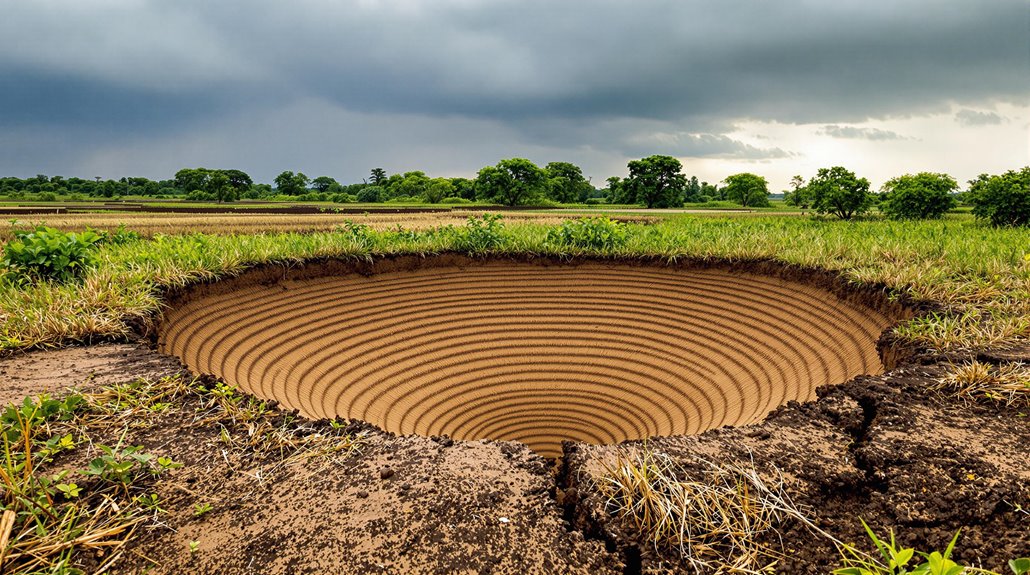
x: 979, y: 274
x: 150, y: 224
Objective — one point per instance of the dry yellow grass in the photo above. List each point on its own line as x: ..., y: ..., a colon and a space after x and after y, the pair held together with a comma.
x: 149, y: 224
x: 1008, y: 383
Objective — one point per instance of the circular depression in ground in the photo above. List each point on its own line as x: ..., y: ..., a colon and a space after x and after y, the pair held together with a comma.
x: 591, y: 352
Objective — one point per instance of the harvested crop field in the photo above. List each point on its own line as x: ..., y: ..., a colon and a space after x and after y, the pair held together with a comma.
x: 593, y: 352
x: 149, y: 224
x: 647, y: 358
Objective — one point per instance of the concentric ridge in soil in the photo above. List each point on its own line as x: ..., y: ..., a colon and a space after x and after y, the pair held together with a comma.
x: 592, y: 352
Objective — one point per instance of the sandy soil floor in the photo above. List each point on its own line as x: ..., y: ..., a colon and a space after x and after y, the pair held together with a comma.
x: 533, y: 353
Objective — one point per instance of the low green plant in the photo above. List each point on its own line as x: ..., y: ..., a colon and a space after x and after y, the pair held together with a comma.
x: 45, y: 253
x: 481, y: 234
x: 1020, y: 566
x: 119, y: 236
x: 359, y: 234
x: 599, y: 233
x: 896, y: 559
x: 202, y: 509
x: 1003, y: 200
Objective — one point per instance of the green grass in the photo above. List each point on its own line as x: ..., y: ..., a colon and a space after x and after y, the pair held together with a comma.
x: 978, y: 274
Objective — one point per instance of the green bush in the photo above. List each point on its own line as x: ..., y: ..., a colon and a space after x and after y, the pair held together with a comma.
x: 454, y: 200
x: 917, y: 197
x: 119, y: 236
x: 360, y: 234
x: 839, y: 192
x: 370, y: 194
x: 47, y: 197
x: 1002, y: 200
x: 481, y: 234
x: 595, y: 201
x: 46, y: 253
x: 589, y: 233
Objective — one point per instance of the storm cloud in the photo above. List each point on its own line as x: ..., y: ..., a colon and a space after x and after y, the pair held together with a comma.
x: 453, y: 84
x: 835, y: 131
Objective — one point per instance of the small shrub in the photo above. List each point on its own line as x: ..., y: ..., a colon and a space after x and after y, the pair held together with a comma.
x: 360, y: 234
x: 481, y: 234
x: 589, y: 233
x: 46, y: 253
x: 370, y: 194
x: 47, y: 197
x: 839, y: 192
x: 453, y: 200
x: 919, y: 196
x: 595, y: 201
x: 118, y: 237
x: 1002, y: 200
x: 200, y: 196
x: 896, y: 560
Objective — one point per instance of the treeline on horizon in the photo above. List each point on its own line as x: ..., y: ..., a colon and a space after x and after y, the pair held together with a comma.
x: 656, y: 181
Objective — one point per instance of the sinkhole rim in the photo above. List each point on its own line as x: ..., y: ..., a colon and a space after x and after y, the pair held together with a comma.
x: 869, y: 299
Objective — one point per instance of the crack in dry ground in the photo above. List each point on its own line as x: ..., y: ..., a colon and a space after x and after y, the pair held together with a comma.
x: 880, y: 448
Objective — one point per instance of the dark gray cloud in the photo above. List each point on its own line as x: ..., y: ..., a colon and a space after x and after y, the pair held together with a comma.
x: 851, y: 132
x: 969, y: 117
x: 587, y: 78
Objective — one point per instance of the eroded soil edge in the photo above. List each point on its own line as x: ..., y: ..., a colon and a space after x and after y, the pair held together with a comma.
x: 880, y: 448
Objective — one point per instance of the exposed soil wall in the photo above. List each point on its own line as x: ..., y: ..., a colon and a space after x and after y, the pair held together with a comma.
x: 883, y: 449
x: 536, y: 352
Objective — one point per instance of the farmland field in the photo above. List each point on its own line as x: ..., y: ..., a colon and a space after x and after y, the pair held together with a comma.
x: 844, y: 351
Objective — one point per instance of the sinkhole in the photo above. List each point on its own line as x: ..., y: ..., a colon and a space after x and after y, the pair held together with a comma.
x: 593, y: 351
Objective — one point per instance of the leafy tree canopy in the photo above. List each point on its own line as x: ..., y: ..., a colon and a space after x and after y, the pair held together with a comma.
x: 565, y: 183
x: 1002, y: 200
x: 747, y: 189
x: 512, y: 182
x: 839, y: 192
x: 656, y: 181
x: 290, y: 184
x: 918, y: 196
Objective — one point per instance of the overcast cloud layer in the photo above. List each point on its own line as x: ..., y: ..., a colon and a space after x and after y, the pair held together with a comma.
x: 131, y: 87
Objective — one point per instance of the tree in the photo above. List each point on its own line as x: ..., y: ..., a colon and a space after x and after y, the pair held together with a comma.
x: 747, y: 189
x: 464, y: 188
x: 218, y: 186
x: 438, y: 189
x: 837, y: 191
x: 411, y: 184
x: 692, y: 192
x: 190, y: 179
x: 921, y: 196
x: 798, y: 196
x: 565, y: 183
x: 377, y: 176
x: 656, y: 181
x: 1002, y: 200
x: 323, y: 183
x: 239, y: 180
x: 290, y: 184
x: 370, y: 195
x: 512, y: 182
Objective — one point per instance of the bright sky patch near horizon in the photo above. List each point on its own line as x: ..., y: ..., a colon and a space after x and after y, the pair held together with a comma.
x: 118, y: 88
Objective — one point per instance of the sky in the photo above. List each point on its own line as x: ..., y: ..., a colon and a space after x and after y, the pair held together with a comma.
x: 118, y: 88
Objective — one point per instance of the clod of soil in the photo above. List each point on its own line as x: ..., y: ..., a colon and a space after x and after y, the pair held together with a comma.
x: 594, y: 352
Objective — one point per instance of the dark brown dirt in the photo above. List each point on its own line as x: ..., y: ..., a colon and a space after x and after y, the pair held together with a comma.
x: 79, y: 367
x: 883, y: 449
x: 880, y: 448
